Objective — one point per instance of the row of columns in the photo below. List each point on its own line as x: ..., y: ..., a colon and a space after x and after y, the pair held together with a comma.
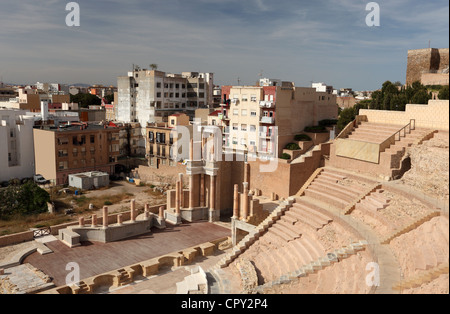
x: 245, y: 201
x: 179, y: 193
x: 133, y: 213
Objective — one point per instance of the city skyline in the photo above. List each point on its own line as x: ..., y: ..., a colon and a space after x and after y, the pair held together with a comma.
x: 323, y: 41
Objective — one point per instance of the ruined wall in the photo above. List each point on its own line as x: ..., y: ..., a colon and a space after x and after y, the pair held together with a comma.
x: 422, y: 61
x: 164, y: 175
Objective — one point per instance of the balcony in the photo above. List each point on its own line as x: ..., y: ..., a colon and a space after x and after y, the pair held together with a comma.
x: 267, y: 104
x: 268, y: 120
x: 226, y: 130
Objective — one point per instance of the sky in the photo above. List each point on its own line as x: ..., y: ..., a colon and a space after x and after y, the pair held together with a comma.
x: 300, y: 41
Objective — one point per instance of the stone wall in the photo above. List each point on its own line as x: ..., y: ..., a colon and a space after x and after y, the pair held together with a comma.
x: 429, y: 60
x: 164, y: 175
x: 434, y: 116
x: 434, y: 79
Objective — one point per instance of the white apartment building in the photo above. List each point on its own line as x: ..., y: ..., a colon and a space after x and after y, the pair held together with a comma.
x: 150, y: 96
x: 323, y: 88
x: 16, y: 142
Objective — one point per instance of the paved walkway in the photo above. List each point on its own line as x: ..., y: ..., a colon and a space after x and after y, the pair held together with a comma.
x: 98, y: 258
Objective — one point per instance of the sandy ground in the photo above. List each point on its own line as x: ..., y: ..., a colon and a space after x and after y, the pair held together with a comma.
x: 140, y: 195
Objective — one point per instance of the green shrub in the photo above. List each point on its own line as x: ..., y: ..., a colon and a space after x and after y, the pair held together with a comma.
x: 107, y: 203
x: 315, y: 129
x: 302, y: 137
x: 292, y: 146
x: 285, y: 156
x: 328, y: 122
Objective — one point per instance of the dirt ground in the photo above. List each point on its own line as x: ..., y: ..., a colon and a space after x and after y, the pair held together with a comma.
x: 430, y: 167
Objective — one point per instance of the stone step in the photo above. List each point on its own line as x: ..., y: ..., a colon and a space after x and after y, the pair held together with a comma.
x: 316, y: 210
x: 335, y: 190
x: 290, y: 229
x: 307, y: 217
x: 280, y: 232
x: 326, y: 198
x: 312, y: 248
x: 331, y: 175
x: 301, y: 249
x: 289, y: 220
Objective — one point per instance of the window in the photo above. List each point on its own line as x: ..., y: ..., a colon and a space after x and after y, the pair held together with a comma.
x: 166, y: 85
x: 235, y: 112
x: 151, y: 137
x: 244, y: 112
x: 252, y: 143
x: 253, y: 99
x: 177, y: 95
x: 158, y: 95
x: 244, y: 127
x: 201, y: 95
x: 243, y: 141
x: 201, y: 86
x: 252, y: 128
x: 158, y: 85
x: 253, y: 113
x: 92, y: 139
x: 244, y: 97
x: 235, y: 141
x: 177, y: 86
x: 235, y: 127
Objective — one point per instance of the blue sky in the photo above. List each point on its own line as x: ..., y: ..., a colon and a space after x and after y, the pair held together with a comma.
x: 301, y: 41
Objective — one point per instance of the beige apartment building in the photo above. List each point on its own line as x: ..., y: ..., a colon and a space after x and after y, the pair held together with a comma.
x: 78, y: 148
x: 161, y: 140
x: 252, y: 114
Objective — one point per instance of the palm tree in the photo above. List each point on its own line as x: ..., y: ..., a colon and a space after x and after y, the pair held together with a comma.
x: 154, y: 66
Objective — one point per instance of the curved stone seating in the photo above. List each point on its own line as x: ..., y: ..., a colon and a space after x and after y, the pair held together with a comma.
x: 423, y: 248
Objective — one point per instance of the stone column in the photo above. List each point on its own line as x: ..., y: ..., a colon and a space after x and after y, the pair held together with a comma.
x: 161, y: 212
x: 191, y: 150
x: 245, y: 202
x: 94, y: 220
x: 119, y: 219
x: 81, y: 222
x: 247, y: 174
x: 133, y: 210
x: 178, y: 199
x: 202, y: 190
x: 236, y: 202
x: 212, y: 193
x: 180, y: 175
x: 105, y: 216
x: 191, y: 191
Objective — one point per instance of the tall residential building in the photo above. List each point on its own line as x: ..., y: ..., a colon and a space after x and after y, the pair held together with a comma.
x: 76, y: 148
x: 146, y: 96
x: 16, y: 145
x: 162, y: 140
x: 250, y: 115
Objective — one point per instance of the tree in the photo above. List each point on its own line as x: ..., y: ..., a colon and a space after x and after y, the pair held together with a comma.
x: 109, y: 98
x: 154, y: 66
x: 443, y: 92
x: 421, y: 97
x: 86, y: 100
x: 347, y: 115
